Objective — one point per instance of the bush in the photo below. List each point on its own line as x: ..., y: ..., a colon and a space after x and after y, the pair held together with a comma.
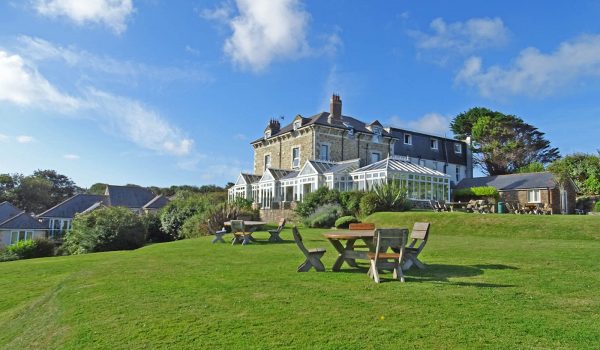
x: 195, y: 226
x: 325, y: 216
x: 392, y: 196
x: 29, y: 249
x: 317, y: 199
x: 477, y: 192
x: 154, y: 232
x: 345, y: 221
x: 7, y: 255
x: 369, y: 204
x: 597, y: 207
x: 350, y: 201
x: 105, y: 229
x: 184, y: 206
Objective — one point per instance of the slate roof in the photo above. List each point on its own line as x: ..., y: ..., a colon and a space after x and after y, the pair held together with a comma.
x: 157, y: 203
x: 421, y: 147
x: 291, y: 175
x: 512, y: 182
x: 392, y: 164
x: 279, y: 173
x: 76, y: 204
x: 128, y: 196
x: 321, y: 166
x: 250, y: 178
x: 7, y: 210
x: 22, y: 221
x: 322, y: 119
x: 346, y: 166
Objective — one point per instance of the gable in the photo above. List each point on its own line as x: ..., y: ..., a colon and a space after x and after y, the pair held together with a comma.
x: 307, y: 169
x: 240, y: 180
x: 267, y: 176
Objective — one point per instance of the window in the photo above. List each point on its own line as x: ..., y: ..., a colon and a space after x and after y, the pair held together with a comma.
x: 435, y: 165
x: 324, y: 152
x: 407, y: 139
x: 267, y: 161
x: 18, y: 236
x: 295, y: 157
x: 457, y: 148
x: 533, y: 196
x: 350, y: 132
x: 375, y: 157
x: 297, y: 124
x: 457, y: 174
x: 377, y: 134
x: 267, y: 134
x: 422, y: 162
x: 434, y: 144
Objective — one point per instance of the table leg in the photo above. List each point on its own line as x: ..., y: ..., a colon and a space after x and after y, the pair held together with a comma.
x: 350, y: 247
x: 340, y: 259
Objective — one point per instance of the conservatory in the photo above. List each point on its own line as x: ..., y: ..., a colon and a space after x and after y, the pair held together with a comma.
x: 421, y: 183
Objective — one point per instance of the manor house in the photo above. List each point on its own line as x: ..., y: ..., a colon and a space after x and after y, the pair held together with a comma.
x: 342, y: 152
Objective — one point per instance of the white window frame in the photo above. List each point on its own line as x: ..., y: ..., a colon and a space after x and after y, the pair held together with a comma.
x: 435, y: 144
x: 294, y: 165
x: 532, y: 194
x: 267, y: 165
x: 267, y: 134
x: 27, y: 235
x: 297, y: 124
x: 457, y: 148
x: 327, y: 154
x: 409, y: 139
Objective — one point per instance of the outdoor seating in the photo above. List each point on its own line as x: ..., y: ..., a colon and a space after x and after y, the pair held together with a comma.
x: 420, y: 233
x: 362, y: 226
x: 219, y: 236
x: 313, y: 255
x: 547, y: 209
x: 380, y: 259
x: 275, y: 234
x: 434, y: 206
x: 444, y: 206
x: 240, y: 235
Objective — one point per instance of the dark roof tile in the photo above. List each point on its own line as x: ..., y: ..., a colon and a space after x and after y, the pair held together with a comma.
x: 512, y: 182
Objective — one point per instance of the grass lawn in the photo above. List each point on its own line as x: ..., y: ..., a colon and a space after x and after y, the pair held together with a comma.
x: 493, y: 281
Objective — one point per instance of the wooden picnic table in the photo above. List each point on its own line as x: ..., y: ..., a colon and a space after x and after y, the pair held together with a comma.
x: 251, y: 225
x: 456, y: 205
x: 347, y: 252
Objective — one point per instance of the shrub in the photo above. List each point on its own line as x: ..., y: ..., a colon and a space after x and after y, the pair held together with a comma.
x: 31, y: 248
x: 105, y: 229
x: 325, y: 216
x: 477, y: 192
x: 7, y: 255
x: 154, y: 232
x: 392, y: 196
x: 350, y: 201
x: 315, y: 199
x: 345, y: 221
x: 597, y: 207
x: 184, y: 206
x: 369, y: 204
x: 195, y: 226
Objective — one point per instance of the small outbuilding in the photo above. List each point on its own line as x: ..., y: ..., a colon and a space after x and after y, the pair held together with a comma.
x: 529, y: 188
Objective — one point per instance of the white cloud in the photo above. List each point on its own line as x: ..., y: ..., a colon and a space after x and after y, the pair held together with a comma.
x: 431, y: 123
x: 71, y: 157
x: 221, y: 13
x: 4, y: 138
x: 535, y: 73
x: 112, y: 13
x: 25, y: 139
x: 462, y: 37
x: 23, y: 85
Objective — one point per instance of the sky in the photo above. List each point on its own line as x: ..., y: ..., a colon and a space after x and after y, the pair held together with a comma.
x: 157, y: 92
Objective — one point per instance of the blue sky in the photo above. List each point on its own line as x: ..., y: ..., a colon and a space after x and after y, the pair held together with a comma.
x: 159, y: 92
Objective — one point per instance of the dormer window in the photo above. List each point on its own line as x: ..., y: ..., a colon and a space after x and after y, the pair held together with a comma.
x: 377, y: 134
x: 457, y: 148
x: 407, y: 139
x: 350, y: 132
x: 267, y: 134
x: 434, y: 144
x: 297, y: 124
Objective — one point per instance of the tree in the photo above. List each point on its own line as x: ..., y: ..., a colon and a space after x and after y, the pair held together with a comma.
x: 34, y: 194
x: 583, y: 169
x: 97, y: 188
x: 8, y: 184
x: 502, y: 143
x: 535, y: 167
x: 62, y: 186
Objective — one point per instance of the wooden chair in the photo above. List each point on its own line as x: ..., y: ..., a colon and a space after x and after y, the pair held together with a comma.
x: 362, y: 226
x: 385, y: 238
x: 313, y: 255
x: 275, y: 234
x: 420, y: 232
x: 547, y: 209
x: 239, y: 232
x: 434, y: 206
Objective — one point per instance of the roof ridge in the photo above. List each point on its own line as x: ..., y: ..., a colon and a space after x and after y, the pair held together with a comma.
x: 11, y: 218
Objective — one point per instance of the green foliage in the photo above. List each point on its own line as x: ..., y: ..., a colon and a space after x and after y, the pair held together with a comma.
x: 535, y: 167
x: 184, y: 206
x: 324, y: 216
x: 369, y: 203
x: 391, y: 196
x: 597, y: 207
x: 315, y: 199
x: 350, y: 201
x: 345, y: 221
x: 583, y: 169
x: 7, y: 255
x: 154, y: 232
x: 106, y: 229
x: 97, y: 188
x: 502, y: 143
x: 29, y: 249
x: 242, y: 203
x: 195, y: 226
x: 477, y: 192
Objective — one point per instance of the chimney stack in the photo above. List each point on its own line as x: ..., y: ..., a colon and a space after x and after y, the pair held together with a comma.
x: 274, y: 126
x: 335, y: 110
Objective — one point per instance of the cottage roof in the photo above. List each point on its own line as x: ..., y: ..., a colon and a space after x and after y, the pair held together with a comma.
x: 76, y: 204
x: 7, y: 210
x: 22, y: 221
x: 397, y: 165
x: 128, y: 196
x: 157, y: 202
x: 346, y: 166
x: 512, y: 181
x: 250, y: 178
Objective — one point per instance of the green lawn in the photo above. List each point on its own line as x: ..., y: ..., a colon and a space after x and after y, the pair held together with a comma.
x: 493, y: 281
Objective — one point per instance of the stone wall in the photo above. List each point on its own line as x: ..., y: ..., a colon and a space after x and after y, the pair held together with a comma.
x: 273, y: 215
x: 280, y: 149
x: 344, y: 147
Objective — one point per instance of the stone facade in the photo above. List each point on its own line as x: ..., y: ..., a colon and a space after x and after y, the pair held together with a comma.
x: 343, y: 146
x: 280, y: 150
x: 550, y: 196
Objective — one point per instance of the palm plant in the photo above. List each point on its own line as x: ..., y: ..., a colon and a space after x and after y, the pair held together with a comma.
x: 391, y: 196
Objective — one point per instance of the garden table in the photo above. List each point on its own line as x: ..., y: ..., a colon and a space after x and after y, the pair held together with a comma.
x: 251, y: 227
x: 457, y: 205
x: 347, y: 253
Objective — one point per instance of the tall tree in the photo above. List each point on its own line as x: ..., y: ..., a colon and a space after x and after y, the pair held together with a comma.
x: 62, y: 186
x: 97, y: 188
x: 34, y: 194
x: 583, y: 169
x: 502, y: 143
